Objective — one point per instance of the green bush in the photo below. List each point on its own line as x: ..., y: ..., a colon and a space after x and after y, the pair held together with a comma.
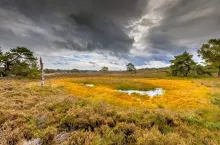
x: 212, y: 125
x: 193, y: 120
x: 216, y: 101
x: 80, y: 103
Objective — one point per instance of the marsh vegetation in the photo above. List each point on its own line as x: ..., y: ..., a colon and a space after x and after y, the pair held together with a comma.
x: 67, y: 112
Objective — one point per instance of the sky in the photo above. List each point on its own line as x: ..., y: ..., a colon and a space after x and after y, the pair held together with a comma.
x: 90, y: 34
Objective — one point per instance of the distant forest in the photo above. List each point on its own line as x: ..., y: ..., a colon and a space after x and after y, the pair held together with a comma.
x: 66, y: 70
x: 48, y: 71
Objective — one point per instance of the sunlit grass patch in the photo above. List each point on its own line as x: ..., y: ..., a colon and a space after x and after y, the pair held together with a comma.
x: 214, y: 93
x: 179, y: 94
x: 116, y: 83
x: 216, y: 100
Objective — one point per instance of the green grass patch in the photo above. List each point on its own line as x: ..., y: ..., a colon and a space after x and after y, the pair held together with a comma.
x: 215, y: 126
x: 215, y: 100
x: 115, y: 83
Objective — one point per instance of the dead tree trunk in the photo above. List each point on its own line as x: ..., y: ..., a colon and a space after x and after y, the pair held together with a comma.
x: 42, y: 72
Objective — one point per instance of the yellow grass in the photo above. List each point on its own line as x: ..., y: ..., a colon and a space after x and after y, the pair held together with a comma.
x: 179, y: 94
x: 68, y: 110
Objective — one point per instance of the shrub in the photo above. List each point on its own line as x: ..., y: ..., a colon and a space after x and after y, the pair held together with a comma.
x: 127, y: 130
x: 28, y: 132
x: 212, y: 125
x: 110, y: 122
x: 164, y: 122
x: 47, y: 135
x: 154, y: 137
x: 193, y: 120
x: 60, y: 107
x: 83, y: 138
x: 112, y: 137
x: 13, y: 137
x: 3, y: 117
x: 80, y: 103
x: 82, y: 119
x: 215, y: 101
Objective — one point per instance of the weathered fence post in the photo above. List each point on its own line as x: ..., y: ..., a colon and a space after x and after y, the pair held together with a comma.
x: 42, y: 72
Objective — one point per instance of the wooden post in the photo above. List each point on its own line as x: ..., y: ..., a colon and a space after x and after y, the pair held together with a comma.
x: 42, y: 72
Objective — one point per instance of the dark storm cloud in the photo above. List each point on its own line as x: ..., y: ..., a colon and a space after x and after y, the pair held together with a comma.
x: 83, y: 25
x: 184, y: 23
x: 110, y: 27
x: 86, y: 35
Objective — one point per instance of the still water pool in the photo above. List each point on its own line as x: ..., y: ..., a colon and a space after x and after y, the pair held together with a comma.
x: 151, y: 93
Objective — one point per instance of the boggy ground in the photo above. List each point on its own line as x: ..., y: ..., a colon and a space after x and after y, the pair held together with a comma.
x: 67, y: 112
x: 178, y: 94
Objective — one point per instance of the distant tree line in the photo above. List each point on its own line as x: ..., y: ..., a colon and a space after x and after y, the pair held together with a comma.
x: 154, y: 68
x: 48, y: 71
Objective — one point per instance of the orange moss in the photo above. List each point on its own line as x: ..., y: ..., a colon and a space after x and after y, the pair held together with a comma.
x: 179, y: 94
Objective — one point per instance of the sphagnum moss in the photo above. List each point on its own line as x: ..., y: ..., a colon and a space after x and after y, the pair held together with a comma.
x: 179, y: 94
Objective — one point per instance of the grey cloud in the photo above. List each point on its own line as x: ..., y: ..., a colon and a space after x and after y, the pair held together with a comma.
x: 146, y: 22
x: 91, y: 62
x: 85, y: 25
x: 58, y: 60
x: 6, y: 34
x: 185, y: 22
x: 94, y: 35
x: 60, y: 63
x: 115, y: 63
x: 101, y: 26
x: 140, y: 60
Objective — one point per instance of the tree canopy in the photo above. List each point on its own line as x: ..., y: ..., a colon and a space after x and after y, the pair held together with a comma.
x: 1, y: 52
x: 18, y: 61
x: 210, y: 52
x: 1, y: 57
x: 104, y: 69
x: 130, y: 67
x: 183, y: 65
